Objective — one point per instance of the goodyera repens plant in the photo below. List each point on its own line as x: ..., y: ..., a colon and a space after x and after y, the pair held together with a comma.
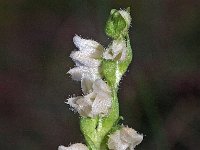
x: 100, y: 70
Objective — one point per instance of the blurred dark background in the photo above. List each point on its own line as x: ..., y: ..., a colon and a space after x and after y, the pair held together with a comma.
x: 159, y: 96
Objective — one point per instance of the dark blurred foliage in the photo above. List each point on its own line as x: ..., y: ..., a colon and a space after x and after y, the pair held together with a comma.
x: 159, y: 96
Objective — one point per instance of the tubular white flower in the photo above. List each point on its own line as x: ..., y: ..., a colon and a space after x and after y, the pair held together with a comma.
x: 124, y: 139
x: 97, y: 102
x: 77, y: 146
x: 86, y: 75
x: 116, y: 51
x: 88, y: 60
x: 82, y: 58
x: 89, y: 53
x: 78, y: 73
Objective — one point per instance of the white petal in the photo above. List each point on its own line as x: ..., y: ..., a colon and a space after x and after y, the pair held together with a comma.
x: 101, y: 87
x: 91, y: 96
x: 89, y: 53
x: 118, y: 46
x: 117, y: 50
x: 101, y: 105
x: 115, y: 143
x: 131, y: 136
x: 82, y: 59
x: 89, y: 46
x: 72, y: 102
x: 86, y: 85
x: 108, y: 54
x: 80, y: 72
x: 77, y: 146
x: 84, y: 107
x: 123, y: 139
x: 61, y: 147
x: 103, y: 99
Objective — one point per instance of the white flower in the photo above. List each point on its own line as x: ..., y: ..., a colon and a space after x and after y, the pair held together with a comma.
x: 86, y: 75
x: 87, y: 60
x: 77, y: 146
x: 116, y: 51
x: 89, y: 53
x: 124, y: 139
x: 78, y: 73
x: 97, y: 102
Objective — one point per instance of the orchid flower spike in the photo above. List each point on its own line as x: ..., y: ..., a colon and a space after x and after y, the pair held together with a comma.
x: 100, y: 70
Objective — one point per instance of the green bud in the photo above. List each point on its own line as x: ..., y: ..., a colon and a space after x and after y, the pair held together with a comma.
x: 118, y: 23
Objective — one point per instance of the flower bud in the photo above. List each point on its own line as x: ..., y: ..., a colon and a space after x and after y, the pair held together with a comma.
x: 118, y: 23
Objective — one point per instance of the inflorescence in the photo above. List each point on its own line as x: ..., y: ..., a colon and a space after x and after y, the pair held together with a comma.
x: 100, y: 70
